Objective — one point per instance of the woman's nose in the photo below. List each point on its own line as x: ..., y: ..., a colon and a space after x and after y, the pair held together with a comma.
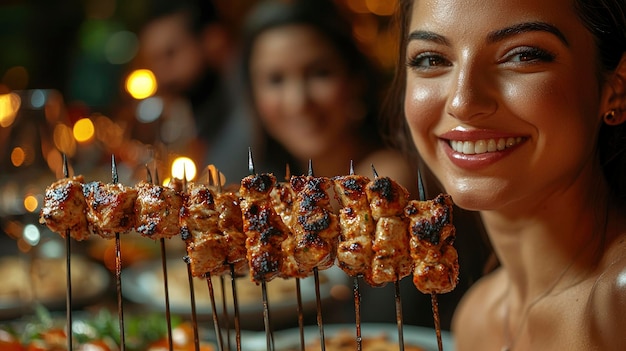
x: 297, y: 97
x: 471, y: 95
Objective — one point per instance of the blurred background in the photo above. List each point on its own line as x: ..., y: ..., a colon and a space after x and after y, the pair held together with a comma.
x: 73, y: 82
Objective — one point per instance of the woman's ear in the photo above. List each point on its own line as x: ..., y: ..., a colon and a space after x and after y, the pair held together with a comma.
x: 614, y: 95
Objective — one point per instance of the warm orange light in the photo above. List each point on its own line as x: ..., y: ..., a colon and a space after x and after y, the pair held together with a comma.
x: 214, y: 173
x: 381, y: 8
x: 9, y: 105
x: 31, y: 203
x: 141, y: 84
x: 64, y: 140
x: 183, y: 167
x: 18, y: 156
x: 83, y: 130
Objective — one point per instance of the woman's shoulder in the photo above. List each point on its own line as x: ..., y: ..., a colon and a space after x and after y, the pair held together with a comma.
x: 478, y: 312
x: 607, y: 302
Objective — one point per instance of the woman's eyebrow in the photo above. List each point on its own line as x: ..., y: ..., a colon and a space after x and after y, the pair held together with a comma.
x: 524, y: 28
x: 427, y: 36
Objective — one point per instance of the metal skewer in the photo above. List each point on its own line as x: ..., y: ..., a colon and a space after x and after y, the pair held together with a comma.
x: 318, y: 299
x: 357, y: 311
x: 433, y: 296
x: 399, y: 314
x: 217, y: 181
x: 216, y: 323
x: 300, y: 309
x: 357, y: 297
x: 68, y: 270
x: 168, y: 318
x: 235, y: 307
x: 269, y: 338
x: 118, y: 267
x: 192, y: 293
x: 398, y: 300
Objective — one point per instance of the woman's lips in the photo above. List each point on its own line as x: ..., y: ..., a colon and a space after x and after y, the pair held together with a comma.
x: 478, y: 152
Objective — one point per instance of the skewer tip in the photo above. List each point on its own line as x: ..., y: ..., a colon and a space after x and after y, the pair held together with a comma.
x: 310, y: 167
x: 148, y: 174
x: 114, y: 174
x: 250, y: 161
x: 66, y: 172
x: 420, y: 186
x: 374, y: 171
x: 351, y: 167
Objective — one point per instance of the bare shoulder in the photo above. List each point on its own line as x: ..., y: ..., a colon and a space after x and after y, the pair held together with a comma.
x: 478, y: 310
x: 607, y: 302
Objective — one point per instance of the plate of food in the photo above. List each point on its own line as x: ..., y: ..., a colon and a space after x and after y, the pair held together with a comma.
x: 143, y: 283
x: 342, y: 337
x: 27, y: 280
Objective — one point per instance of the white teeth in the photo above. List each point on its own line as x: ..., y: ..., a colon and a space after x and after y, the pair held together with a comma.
x: 484, y: 145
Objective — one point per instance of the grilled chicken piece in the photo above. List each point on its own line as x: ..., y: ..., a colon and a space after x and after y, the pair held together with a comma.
x: 64, y: 208
x: 110, y: 208
x: 264, y: 229
x: 391, y: 260
x: 436, y: 262
x: 157, y: 209
x: 316, y: 226
x: 283, y: 198
x: 206, y: 244
x: 354, y: 252
x: 230, y: 223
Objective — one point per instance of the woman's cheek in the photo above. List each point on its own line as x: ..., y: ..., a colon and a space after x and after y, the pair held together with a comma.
x: 421, y: 112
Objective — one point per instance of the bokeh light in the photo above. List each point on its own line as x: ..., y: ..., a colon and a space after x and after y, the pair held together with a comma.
x: 141, y: 84
x: 18, y: 156
x: 9, y: 105
x: 150, y: 109
x: 16, y: 77
x: 37, y: 98
x: 83, y: 130
x: 121, y: 47
x: 381, y: 8
x: 30, y: 203
x: 64, y: 139
x: 184, y: 167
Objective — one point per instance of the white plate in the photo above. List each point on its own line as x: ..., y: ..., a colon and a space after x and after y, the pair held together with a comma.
x: 289, y: 340
x: 143, y: 284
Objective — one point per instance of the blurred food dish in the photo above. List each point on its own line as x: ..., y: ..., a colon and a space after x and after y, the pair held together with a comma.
x: 341, y: 337
x: 26, y: 281
x: 143, y: 284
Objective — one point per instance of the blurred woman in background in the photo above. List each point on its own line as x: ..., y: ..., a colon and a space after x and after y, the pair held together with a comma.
x: 316, y: 95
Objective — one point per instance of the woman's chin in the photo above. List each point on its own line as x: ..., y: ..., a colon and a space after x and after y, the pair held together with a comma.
x: 472, y: 200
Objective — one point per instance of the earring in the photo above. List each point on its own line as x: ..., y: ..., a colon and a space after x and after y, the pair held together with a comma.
x: 609, y: 118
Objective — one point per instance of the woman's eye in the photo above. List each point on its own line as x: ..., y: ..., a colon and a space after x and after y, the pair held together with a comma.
x: 275, y: 79
x: 427, y: 60
x: 530, y: 54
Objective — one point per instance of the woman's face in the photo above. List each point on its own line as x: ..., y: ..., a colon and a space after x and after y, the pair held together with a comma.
x: 302, y: 89
x: 502, y: 97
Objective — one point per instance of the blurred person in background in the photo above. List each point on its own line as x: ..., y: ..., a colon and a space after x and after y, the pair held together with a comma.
x: 193, y: 55
x: 318, y: 97
x: 315, y: 94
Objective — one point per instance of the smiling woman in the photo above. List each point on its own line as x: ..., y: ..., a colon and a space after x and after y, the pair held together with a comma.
x: 519, y: 113
x: 316, y: 95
